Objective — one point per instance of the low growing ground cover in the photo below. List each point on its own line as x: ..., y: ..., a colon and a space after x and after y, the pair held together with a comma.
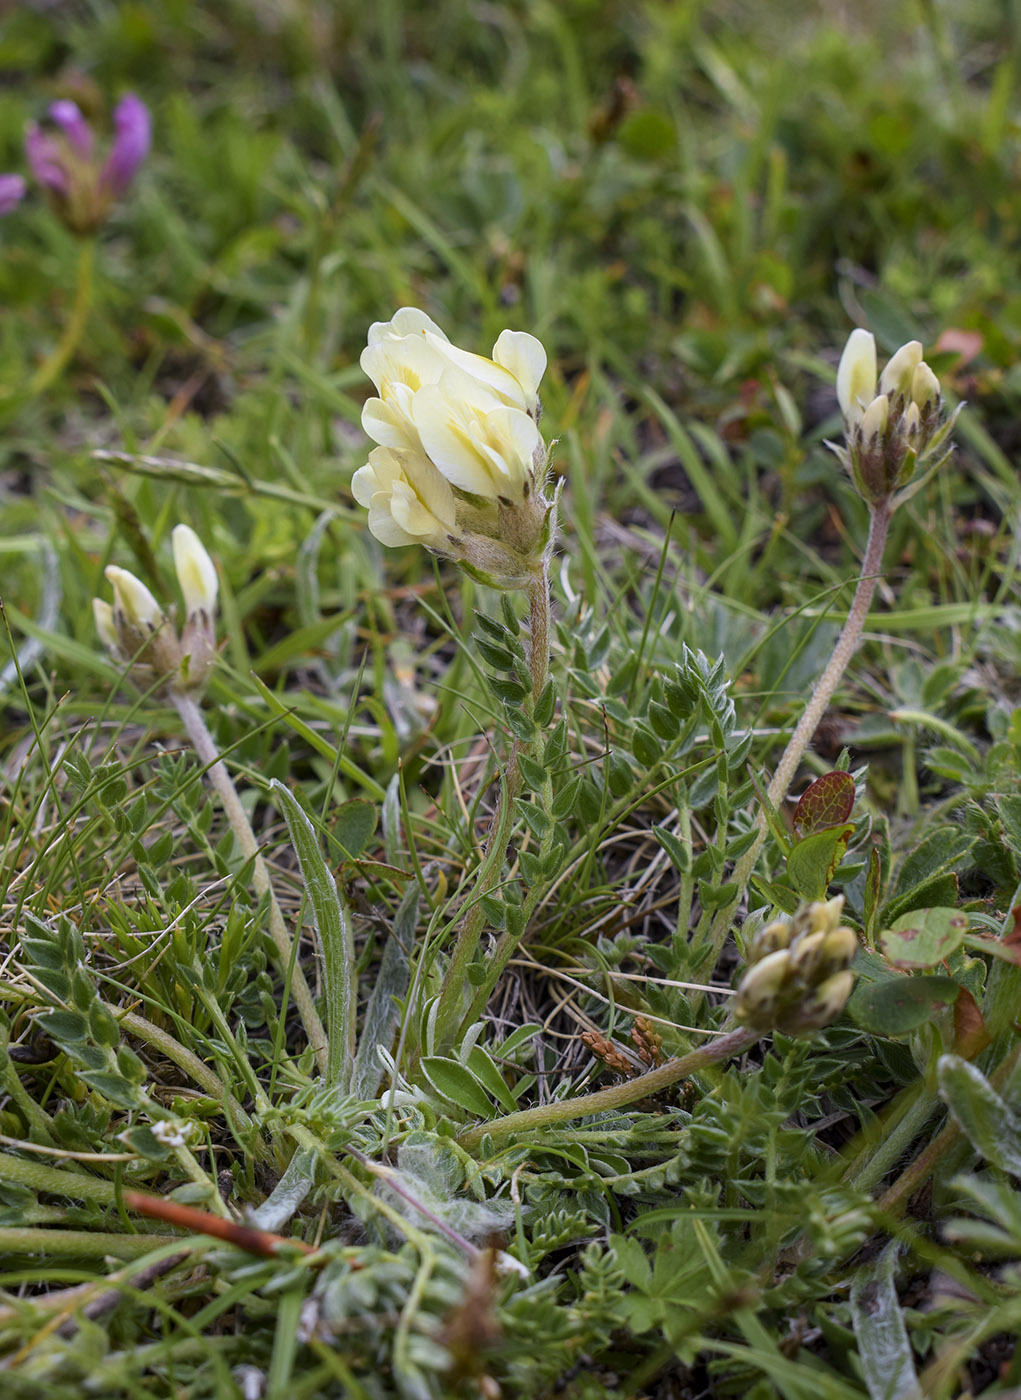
x: 534, y: 910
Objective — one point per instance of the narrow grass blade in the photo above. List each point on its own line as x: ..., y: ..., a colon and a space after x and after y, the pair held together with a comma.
x: 383, y: 1014
x: 333, y: 927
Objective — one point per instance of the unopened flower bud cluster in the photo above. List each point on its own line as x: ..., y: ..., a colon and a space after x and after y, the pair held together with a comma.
x: 137, y: 632
x: 892, y: 427
x: 799, y: 976
x: 461, y: 465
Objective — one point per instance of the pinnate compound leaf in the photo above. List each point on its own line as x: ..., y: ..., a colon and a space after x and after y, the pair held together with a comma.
x: 883, y: 1346
x: 989, y: 1124
x: 828, y: 801
x: 924, y: 937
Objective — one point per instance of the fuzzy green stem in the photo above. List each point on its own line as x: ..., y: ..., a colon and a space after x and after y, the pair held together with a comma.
x: 55, y: 363
x: 847, y: 644
x: 450, y: 1010
x: 55, y: 1182
x: 539, y: 655
x: 94, y: 1244
x: 897, y: 1196
x: 39, y: 1122
x: 203, y: 1076
x: 530, y: 1120
x: 205, y: 747
x: 898, y: 1130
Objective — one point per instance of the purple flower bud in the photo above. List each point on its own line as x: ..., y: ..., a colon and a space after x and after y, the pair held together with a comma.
x: 69, y: 118
x: 12, y: 190
x: 46, y: 160
x: 133, y: 136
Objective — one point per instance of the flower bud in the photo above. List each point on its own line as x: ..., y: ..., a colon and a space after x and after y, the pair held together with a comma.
x: 770, y: 939
x: 856, y: 375
x: 874, y: 421
x: 827, y: 1001
x: 758, y: 994
x: 896, y: 377
x: 925, y: 390
x: 824, y: 914
x: 840, y: 948
x: 133, y: 601
x: 103, y: 616
x: 805, y: 955
x: 196, y: 572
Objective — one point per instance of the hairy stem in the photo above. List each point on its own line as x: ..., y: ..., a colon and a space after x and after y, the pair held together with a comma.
x: 530, y: 1120
x: 93, y: 1244
x: 55, y: 363
x: 847, y: 644
x: 205, y: 747
x: 539, y: 664
x: 450, y: 1011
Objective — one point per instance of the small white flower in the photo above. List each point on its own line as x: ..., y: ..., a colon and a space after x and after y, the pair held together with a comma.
x: 133, y: 600
x: 479, y: 443
x: 856, y: 375
x: 409, y: 502
x: 896, y: 377
x: 875, y: 419
x: 196, y: 572
x: 102, y: 612
x: 170, y: 1134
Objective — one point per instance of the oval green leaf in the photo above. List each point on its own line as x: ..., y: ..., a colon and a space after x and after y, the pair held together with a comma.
x: 459, y: 1085
x: 924, y: 937
x: 901, y: 1004
x: 812, y: 860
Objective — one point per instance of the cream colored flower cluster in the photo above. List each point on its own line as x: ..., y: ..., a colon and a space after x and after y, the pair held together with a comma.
x: 799, y: 977
x: 137, y: 632
x: 461, y: 465
x: 891, y: 430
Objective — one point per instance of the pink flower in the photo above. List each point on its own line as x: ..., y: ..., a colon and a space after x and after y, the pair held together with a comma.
x: 81, y: 187
x: 12, y: 190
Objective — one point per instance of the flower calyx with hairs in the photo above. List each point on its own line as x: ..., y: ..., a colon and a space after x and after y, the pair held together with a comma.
x: 139, y: 635
x: 799, y: 978
x: 893, y: 426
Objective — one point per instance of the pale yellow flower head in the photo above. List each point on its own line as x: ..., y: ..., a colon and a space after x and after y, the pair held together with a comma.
x: 889, y: 432
x: 408, y: 500
x: 460, y: 464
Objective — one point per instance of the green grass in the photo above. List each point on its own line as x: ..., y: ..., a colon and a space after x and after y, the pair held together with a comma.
x: 690, y: 206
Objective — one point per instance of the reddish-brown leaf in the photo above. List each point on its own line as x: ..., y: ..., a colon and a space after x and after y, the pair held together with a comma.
x: 970, y: 1034
x: 826, y: 802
